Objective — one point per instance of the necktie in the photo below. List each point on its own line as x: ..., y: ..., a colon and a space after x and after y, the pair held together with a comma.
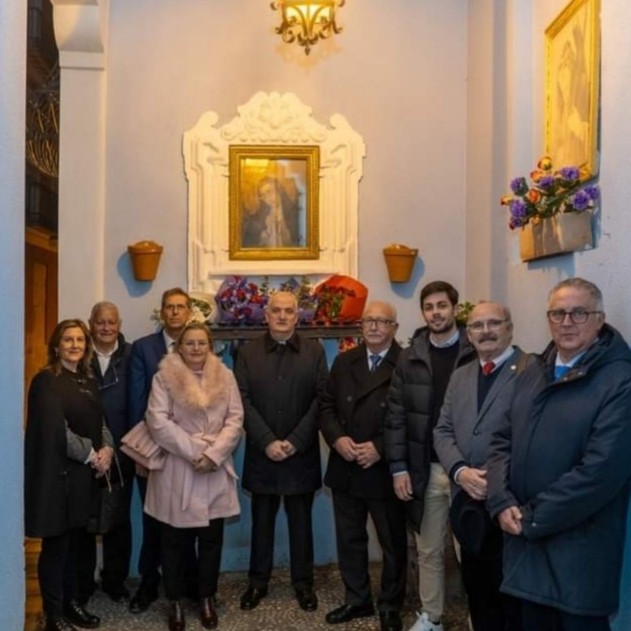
x: 488, y: 367
x: 374, y: 362
x: 560, y: 370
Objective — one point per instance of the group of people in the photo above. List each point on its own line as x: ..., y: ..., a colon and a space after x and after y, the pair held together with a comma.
x: 522, y: 456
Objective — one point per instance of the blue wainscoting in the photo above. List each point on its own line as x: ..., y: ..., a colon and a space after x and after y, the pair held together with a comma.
x: 236, y: 551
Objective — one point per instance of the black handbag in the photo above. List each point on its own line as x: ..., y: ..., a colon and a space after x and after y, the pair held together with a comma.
x: 109, y: 507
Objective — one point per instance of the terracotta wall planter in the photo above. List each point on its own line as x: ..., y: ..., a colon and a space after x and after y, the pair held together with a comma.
x: 400, y: 262
x: 568, y: 232
x: 145, y: 258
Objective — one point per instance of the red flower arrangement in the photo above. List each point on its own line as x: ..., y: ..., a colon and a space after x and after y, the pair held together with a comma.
x: 340, y: 299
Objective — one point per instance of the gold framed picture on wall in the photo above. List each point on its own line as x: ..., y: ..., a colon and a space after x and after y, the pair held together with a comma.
x: 573, y: 86
x: 274, y: 202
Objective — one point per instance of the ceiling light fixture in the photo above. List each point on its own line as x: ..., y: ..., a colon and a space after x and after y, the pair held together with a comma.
x: 307, y: 21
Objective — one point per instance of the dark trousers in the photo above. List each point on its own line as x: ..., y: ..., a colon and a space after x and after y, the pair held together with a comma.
x: 351, y: 515
x: 490, y: 609
x: 541, y: 618
x: 298, y: 509
x: 85, y: 550
x: 176, y: 542
x: 149, y: 561
x: 116, y: 554
x: 57, y: 570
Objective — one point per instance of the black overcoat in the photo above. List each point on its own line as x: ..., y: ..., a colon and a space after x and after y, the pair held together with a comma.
x: 280, y: 385
x: 354, y: 404
x: 57, y: 490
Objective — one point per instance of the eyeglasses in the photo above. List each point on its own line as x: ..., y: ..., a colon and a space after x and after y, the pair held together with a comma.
x: 577, y: 316
x: 378, y: 322
x: 492, y: 325
x: 175, y: 307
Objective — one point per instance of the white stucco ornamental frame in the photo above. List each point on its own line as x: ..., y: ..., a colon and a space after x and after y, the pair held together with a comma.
x: 270, y: 119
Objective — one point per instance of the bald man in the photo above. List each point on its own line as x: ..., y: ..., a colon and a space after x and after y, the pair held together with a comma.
x: 280, y: 376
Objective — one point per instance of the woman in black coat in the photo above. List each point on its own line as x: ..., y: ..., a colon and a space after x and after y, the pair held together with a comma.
x: 67, y: 446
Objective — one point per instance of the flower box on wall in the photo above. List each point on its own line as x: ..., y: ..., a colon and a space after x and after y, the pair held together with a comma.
x: 560, y: 234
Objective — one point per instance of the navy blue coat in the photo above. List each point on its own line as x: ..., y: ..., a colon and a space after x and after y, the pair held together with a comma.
x: 563, y: 455
x: 146, y: 354
x: 113, y: 389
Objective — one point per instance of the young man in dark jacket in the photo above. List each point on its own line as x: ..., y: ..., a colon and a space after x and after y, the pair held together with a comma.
x: 416, y: 395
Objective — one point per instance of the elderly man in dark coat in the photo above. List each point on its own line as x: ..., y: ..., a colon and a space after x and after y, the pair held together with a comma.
x: 559, y: 469
x: 109, y: 364
x: 280, y: 376
x: 351, y: 417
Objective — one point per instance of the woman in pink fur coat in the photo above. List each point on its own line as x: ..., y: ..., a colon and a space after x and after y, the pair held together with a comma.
x: 195, y: 415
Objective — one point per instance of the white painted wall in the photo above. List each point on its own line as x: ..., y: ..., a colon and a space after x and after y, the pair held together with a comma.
x: 13, y: 73
x: 397, y: 75
x: 514, y: 92
x: 516, y: 97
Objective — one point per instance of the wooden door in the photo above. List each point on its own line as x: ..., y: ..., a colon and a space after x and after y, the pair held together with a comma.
x: 40, y: 317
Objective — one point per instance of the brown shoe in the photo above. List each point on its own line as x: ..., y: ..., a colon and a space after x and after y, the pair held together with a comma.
x: 176, y: 616
x: 207, y: 613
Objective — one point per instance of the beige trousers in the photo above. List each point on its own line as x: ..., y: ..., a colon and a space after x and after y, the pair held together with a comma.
x: 430, y: 543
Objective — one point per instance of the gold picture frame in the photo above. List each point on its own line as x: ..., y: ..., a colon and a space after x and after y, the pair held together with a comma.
x: 274, y: 202
x: 573, y: 86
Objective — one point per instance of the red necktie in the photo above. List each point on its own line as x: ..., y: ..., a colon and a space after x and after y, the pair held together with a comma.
x: 487, y: 369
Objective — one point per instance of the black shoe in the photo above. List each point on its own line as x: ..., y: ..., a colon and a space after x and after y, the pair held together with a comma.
x: 76, y: 614
x: 57, y: 623
x: 346, y: 613
x: 117, y: 593
x: 252, y: 597
x: 390, y: 621
x: 176, y: 616
x: 143, y: 598
x: 207, y: 613
x: 307, y: 599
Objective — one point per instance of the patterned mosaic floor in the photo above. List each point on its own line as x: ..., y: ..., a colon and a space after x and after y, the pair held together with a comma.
x: 277, y: 612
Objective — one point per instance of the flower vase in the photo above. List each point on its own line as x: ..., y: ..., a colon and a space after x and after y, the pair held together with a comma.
x: 552, y: 236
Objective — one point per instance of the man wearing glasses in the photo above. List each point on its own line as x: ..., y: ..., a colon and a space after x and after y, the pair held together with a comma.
x: 558, y: 469
x: 477, y: 399
x: 414, y: 401
x: 352, y: 412
x: 146, y: 353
